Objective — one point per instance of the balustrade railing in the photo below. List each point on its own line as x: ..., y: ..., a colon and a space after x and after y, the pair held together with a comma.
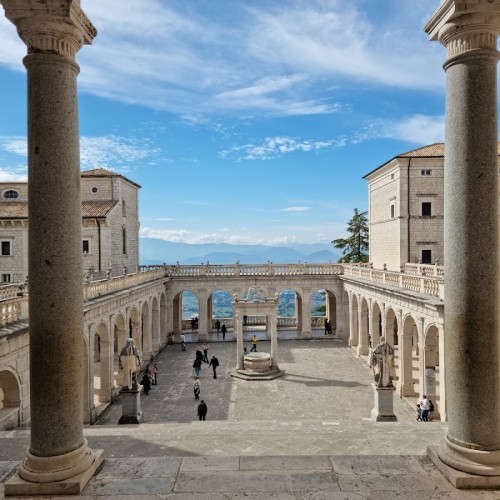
x: 418, y: 278
x: 13, y: 310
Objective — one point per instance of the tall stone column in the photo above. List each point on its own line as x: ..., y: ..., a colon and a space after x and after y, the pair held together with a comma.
x: 362, y: 330
x: 53, y: 33
x: 272, y: 322
x: 469, y: 32
x: 306, y: 332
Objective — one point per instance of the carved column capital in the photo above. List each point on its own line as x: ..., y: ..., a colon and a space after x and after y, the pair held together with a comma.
x: 50, y: 27
x: 466, y: 28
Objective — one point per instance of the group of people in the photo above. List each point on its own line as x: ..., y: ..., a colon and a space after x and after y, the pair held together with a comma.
x: 202, y: 357
x: 221, y: 329
x: 149, y: 378
x: 425, y: 409
x: 328, y: 327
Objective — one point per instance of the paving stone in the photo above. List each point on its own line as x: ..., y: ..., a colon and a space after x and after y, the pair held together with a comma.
x: 286, y: 462
x: 209, y: 464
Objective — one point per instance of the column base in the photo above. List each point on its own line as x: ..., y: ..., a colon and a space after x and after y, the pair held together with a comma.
x: 465, y: 468
x: 47, y: 482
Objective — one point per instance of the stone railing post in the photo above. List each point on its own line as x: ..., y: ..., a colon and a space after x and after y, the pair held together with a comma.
x: 469, y: 31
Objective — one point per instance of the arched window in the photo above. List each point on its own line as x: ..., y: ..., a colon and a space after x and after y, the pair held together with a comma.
x: 124, y: 240
x: 11, y: 194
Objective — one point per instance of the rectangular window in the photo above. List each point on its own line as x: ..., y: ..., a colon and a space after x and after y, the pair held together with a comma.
x: 86, y: 246
x: 6, y: 278
x: 426, y: 209
x: 426, y: 257
x: 124, y: 209
x: 6, y: 248
x: 392, y: 211
x: 426, y: 172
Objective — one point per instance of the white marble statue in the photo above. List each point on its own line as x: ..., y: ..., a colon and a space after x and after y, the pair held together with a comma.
x: 382, y: 360
x: 130, y: 363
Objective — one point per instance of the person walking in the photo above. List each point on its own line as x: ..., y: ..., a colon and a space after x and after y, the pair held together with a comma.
x: 214, y: 363
x: 419, y: 413
x: 146, y: 382
x: 202, y: 410
x: 197, y: 366
x: 205, y: 352
x: 217, y: 326
x: 223, y: 330
x: 183, y: 341
x: 196, y: 388
x: 431, y: 410
x: 424, y: 404
x: 254, y: 344
x: 155, y: 374
x: 326, y: 326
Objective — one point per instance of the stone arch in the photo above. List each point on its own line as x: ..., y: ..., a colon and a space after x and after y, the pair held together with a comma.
x: 432, y: 386
x: 331, y: 303
x: 155, y: 325
x: 134, y: 330
x: 10, y: 399
x: 120, y: 339
x: 146, y: 331
x: 346, y: 315
x: 103, y: 367
x: 406, y: 357
x: 189, y: 310
x: 363, y: 326
x: 353, y: 320
x: 163, y: 319
x: 391, y: 327
x: 376, y: 324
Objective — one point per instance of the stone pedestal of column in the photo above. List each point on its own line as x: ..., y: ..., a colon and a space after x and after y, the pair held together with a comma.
x: 383, y: 411
x: 131, y: 406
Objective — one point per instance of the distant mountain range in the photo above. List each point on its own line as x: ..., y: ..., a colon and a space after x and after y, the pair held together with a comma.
x: 153, y: 251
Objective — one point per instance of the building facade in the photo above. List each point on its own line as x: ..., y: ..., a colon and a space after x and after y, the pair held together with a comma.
x: 110, y: 225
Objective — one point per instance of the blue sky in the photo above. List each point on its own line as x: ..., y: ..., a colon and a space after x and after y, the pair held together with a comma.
x: 244, y: 121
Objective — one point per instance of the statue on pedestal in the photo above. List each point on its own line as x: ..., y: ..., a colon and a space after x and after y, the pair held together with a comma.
x: 382, y: 361
x: 130, y: 363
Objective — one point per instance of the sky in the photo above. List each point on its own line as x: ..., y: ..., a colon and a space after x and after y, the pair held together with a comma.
x: 244, y: 121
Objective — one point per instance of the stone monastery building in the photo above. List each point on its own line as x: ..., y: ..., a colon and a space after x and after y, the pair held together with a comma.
x: 110, y: 225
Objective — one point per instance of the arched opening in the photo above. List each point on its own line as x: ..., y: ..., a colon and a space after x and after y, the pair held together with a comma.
x: 163, y: 319
x: 376, y: 325
x: 363, y: 328
x: 10, y: 400
x: 331, y: 309
x: 221, y: 310
x: 103, y: 367
x: 353, y: 321
x: 286, y: 310
x: 146, y: 332
x: 155, y: 325
x: 432, y: 386
x: 190, y: 307
x: 407, y: 364
x: 120, y: 339
x: 391, y: 328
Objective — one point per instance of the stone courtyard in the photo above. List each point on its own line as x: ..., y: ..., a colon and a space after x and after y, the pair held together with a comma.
x: 307, y: 435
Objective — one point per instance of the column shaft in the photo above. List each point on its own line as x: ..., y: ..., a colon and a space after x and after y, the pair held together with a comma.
x: 471, y: 252
x: 55, y: 256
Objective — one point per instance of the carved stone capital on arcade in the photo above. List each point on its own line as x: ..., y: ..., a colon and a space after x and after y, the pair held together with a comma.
x: 47, y: 26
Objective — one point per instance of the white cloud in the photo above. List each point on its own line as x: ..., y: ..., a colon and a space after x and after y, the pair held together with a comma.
x: 9, y: 176
x: 418, y: 129
x: 296, y: 209
x: 273, y: 147
x: 14, y: 145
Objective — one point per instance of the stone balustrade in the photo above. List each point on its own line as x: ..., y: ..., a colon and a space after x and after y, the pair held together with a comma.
x: 418, y: 279
x: 12, y: 310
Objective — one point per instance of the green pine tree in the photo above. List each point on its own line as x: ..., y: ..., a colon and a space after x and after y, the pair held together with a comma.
x: 355, y: 247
